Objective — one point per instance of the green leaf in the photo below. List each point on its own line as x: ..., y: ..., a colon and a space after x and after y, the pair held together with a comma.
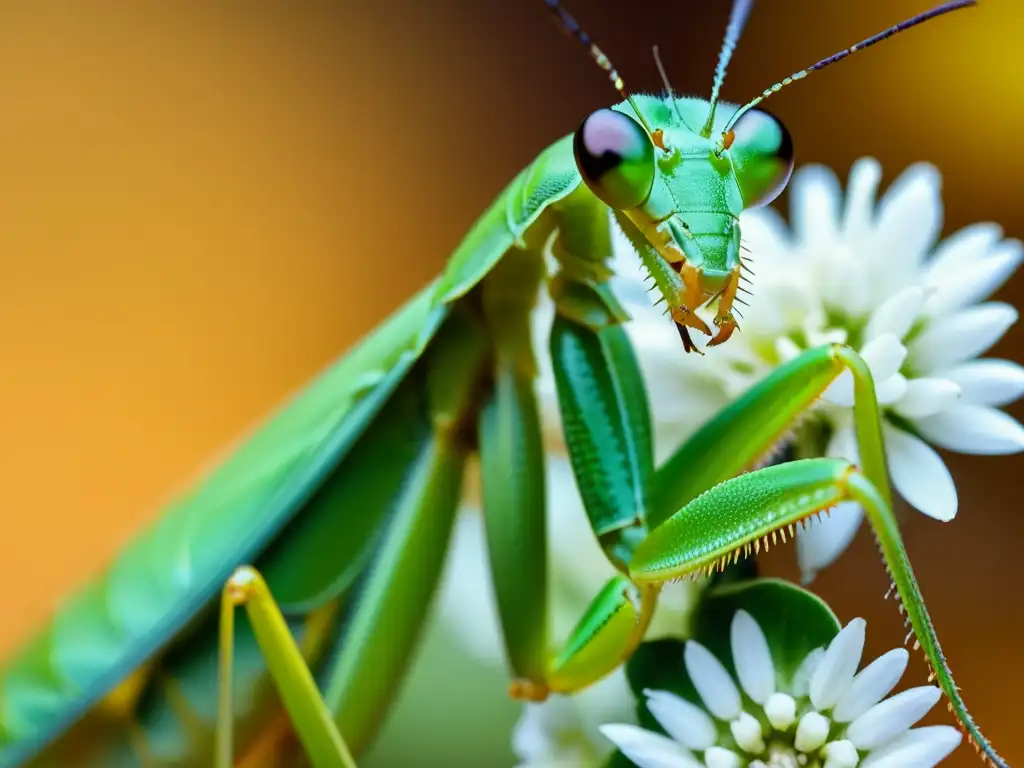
x: 794, y: 620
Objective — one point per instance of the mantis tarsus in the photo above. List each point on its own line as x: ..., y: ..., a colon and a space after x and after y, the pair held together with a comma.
x: 330, y: 524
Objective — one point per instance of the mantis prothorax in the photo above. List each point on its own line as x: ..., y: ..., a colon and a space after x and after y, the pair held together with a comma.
x: 331, y: 522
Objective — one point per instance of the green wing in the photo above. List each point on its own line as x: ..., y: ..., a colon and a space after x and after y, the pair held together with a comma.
x: 170, y: 571
x: 166, y: 576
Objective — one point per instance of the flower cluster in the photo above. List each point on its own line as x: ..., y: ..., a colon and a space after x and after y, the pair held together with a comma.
x: 828, y: 715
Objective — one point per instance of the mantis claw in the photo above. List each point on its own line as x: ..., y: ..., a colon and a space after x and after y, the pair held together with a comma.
x: 726, y: 324
x: 688, y: 344
x: 687, y: 317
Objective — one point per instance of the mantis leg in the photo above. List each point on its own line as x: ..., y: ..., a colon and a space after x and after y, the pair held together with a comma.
x: 725, y: 321
x: 743, y: 514
x: 309, y: 715
x: 512, y: 471
x: 737, y: 516
x: 624, y: 498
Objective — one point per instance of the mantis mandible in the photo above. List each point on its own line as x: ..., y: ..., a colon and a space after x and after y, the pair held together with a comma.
x: 330, y: 523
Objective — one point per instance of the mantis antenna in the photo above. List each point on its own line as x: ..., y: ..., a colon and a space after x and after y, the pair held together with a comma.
x: 911, y: 22
x: 570, y: 25
x: 737, y: 20
x: 668, y: 88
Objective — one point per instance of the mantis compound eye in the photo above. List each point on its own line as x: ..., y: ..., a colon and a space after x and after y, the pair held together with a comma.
x: 762, y: 154
x: 615, y: 157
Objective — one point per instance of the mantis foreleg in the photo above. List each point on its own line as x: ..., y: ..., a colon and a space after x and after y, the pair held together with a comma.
x: 736, y: 517
x: 702, y: 475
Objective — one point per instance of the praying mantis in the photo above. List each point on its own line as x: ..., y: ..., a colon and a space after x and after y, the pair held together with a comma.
x: 330, y: 523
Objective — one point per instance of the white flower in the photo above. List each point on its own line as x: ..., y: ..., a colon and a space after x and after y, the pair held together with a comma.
x: 828, y: 715
x: 564, y: 731
x: 871, y: 276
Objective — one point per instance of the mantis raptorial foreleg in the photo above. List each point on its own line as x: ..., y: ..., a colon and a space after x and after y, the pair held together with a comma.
x: 737, y: 517
x: 724, y: 515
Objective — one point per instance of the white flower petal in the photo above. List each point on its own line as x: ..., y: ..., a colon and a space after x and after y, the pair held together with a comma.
x: 843, y: 279
x: 843, y: 443
x: 861, y: 191
x: 976, y: 280
x: 919, y: 474
x: 538, y: 733
x: 840, y: 754
x: 765, y: 232
x: 648, y: 749
x: 896, y: 315
x: 840, y: 391
x: 800, y: 685
x: 974, y: 429
x: 884, y: 355
x: 563, y: 728
x: 780, y: 709
x: 921, y: 748
x: 910, y: 216
x: 925, y: 396
x: 752, y: 657
x: 720, y: 757
x: 811, y: 732
x: 888, y: 719
x: 988, y: 381
x: 786, y: 348
x: 951, y: 339
x: 780, y: 303
x: 746, y: 730
x: 891, y: 390
x: 834, y: 674
x: 871, y: 685
x: 823, y: 540
x: 712, y: 681
x: 569, y: 532
x: 467, y: 609
x: 963, y: 247
x: 685, y: 722
x: 814, y: 199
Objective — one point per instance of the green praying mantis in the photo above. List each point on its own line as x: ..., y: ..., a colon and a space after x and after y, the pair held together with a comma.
x: 330, y: 523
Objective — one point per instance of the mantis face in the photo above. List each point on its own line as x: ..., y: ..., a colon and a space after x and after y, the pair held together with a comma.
x: 684, y: 191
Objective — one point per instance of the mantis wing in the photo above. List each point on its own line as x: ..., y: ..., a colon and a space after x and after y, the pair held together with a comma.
x: 174, y: 569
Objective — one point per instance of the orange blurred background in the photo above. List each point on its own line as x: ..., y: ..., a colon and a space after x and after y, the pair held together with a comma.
x: 202, y: 204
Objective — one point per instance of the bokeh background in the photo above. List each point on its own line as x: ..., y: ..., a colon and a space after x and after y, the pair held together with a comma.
x: 201, y: 204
